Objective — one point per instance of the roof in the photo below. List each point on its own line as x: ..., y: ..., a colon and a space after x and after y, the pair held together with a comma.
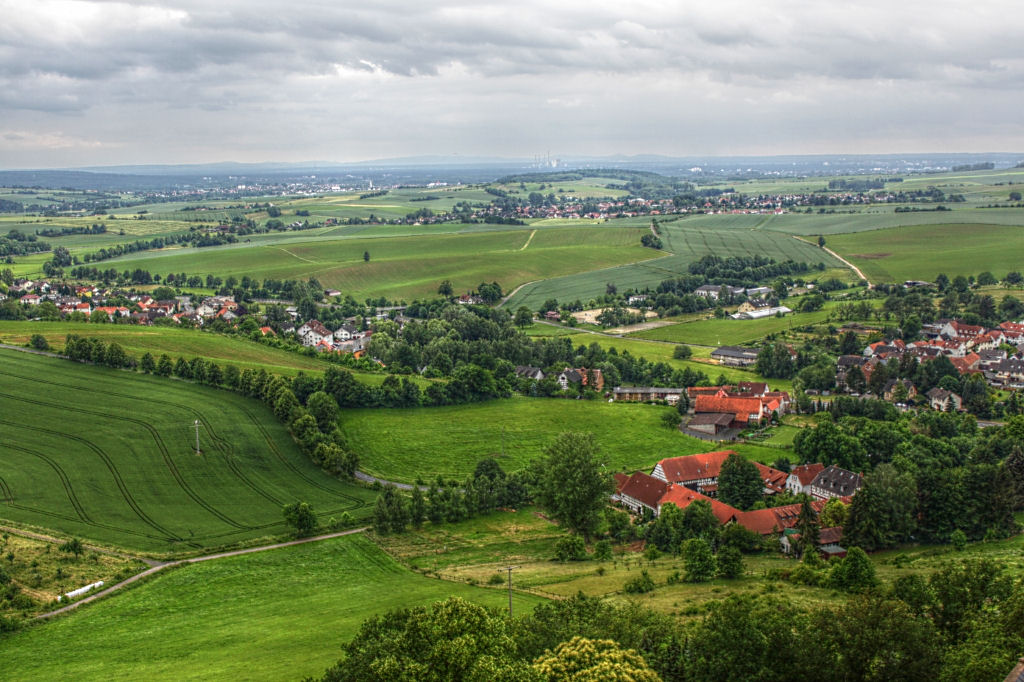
x: 741, y: 407
x: 316, y: 327
x: 837, y: 480
x: 775, y: 519
x: 806, y: 472
x: 694, y: 467
x: 683, y: 497
x: 716, y: 418
x: 735, y: 352
x: 644, y: 489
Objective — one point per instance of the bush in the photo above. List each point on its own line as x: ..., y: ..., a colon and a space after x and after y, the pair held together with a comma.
x: 495, y: 579
x: 639, y: 585
x: 39, y: 342
x: 958, y: 539
x: 603, y: 550
x: 571, y: 548
x: 682, y: 352
x: 730, y: 562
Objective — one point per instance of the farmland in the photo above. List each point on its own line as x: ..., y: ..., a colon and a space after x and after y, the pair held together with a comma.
x: 449, y: 441
x: 412, y: 266
x: 686, y: 244
x: 281, y: 614
x: 109, y: 456
x: 922, y: 252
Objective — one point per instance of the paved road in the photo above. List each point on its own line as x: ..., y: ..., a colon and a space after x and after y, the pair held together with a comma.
x: 193, y: 560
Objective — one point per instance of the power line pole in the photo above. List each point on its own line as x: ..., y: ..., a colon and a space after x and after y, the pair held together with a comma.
x: 197, y: 436
x: 509, y: 569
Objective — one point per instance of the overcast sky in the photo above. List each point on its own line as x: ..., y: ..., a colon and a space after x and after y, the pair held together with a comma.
x: 95, y: 82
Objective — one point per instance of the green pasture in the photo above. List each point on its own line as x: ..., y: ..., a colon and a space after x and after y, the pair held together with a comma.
x: 922, y: 252
x: 108, y: 455
x: 275, y: 615
x: 730, y: 332
x: 684, y: 244
x: 404, y: 445
x: 410, y: 267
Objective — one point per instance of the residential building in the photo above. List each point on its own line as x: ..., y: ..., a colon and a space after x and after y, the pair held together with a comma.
x: 800, y: 478
x: 735, y: 356
x: 835, y: 482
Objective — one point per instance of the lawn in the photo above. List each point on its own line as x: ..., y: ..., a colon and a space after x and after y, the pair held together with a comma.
x: 108, y: 456
x: 923, y: 252
x: 406, y: 267
x: 729, y: 332
x: 281, y: 614
x: 403, y: 445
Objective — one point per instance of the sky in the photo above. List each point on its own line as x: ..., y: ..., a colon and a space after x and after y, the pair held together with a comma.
x: 198, y: 81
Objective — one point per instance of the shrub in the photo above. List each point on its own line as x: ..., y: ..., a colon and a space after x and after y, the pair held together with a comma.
x: 730, y: 562
x: 603, y: 550
x: 495, y: 579
x: 958, y: 539
x: 639, y: 585
x: 571, y: 548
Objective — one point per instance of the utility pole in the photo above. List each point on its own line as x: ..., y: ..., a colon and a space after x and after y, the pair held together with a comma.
x: 197, y: 436
x: 509, y: 569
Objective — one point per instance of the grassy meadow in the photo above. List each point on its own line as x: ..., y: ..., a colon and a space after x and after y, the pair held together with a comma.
x: 403, y: 445
x: 923, y: 251
x: 280, y: 614
x: 108, y: 456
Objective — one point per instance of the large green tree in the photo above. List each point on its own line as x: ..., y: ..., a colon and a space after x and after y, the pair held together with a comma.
x: 573, y: 484
x: 739, y: 482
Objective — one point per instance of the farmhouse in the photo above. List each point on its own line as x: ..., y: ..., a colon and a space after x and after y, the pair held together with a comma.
x: 715, y: 291
x: 313, y: 332
x: 828, y: 542
x: 345, y: 332
x: 735, y: 356
x: 527, y: 372
x: 801, y: 477
x: 744, y: 411
x: 775, y: 519
x: 711, y: 423
x: 835, y: 482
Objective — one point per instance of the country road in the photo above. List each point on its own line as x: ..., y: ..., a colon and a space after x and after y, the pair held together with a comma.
x: 842, y: 260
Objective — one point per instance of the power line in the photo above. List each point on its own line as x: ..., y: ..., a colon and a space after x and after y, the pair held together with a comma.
x: 509, y: 569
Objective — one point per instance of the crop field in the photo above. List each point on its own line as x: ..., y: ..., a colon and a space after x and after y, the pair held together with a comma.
x: 729, y: 332
x: 684, y: 244
x: 275, y: 615
x: 449, y: 441
x: 923, y: 252
x: 109, y: 456
x: 410, y: 267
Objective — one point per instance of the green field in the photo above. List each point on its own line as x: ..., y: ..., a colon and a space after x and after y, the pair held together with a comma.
x: 729, y: 332
x: 402, y: 445
x: 411, y: 266
x: 108, y: 455
x: 686, y: 241
x: 276, y: 615
x: 923, y: 252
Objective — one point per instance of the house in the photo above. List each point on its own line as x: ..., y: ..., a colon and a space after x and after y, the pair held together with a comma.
x: 835, y: 482
x: 758, y: 291
x: 967, y: 364
x: 470, y: 299
x: 345, y: 332
x: 30, y: 299
x: 313, y: 332
x: 267, y: 331
x: 641, y: 491
x: 801, y: 477
x: 735, y: 356
x: 332, y: 293
x: 711, y: 423
x: 943, y: 400
x: 636, y: 299
x: 752, y: 305
x: 552, y: 315
x: 643, y: 394
x: 692, y: 471
x: 828, y: 542
x: 683, y: 497
x: 580, y: 376
x: 527, y: 372
x: 744, y: 411
x: 891, y: 388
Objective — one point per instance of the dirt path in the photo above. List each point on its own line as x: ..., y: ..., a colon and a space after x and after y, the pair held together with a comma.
x: 281, y: 248
x: 530, y: 239
x: 193, y: 560
x: 515, y: 291
x: 842, y: 260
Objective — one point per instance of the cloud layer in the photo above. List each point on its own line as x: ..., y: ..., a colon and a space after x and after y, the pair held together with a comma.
x: 193, y: 80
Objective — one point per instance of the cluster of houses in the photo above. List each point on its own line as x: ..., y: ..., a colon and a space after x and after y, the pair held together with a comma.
x: 93, y: 300
x: 684, y: 480
x: 971, y: 349
x: 345, y: 339
x: 716, y: 409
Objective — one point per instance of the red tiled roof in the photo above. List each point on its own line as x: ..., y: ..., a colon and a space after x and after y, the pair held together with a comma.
x: 766, y: 521
x: 694, y: 467
x: 644, y: 489
x: 741, y: 407
x: 683, y: 497
x: 772, y: 478
x: 807, y: 472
